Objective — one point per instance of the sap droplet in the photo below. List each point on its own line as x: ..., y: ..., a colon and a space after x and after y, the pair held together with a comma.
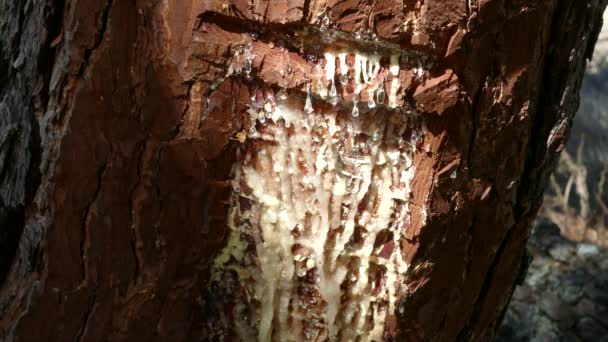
x: 333, y: 91
x: 324, y: 22
x: 321, y: 90
x: 416, y: 137
x: 262, y: 117
x: 419, y: 72
x: 370, y: 101
x: 355, y: 112
x: 248, y: 66
x: 308, y: 106
x: 381, y: 94
x: 344, y: 78
x: 205, y: 109
x: 282, y: 94
x: 270, y: 97
x: 249, y: 57
x: 310, y: 121
x: 376, y: 136
x: 333, y: 94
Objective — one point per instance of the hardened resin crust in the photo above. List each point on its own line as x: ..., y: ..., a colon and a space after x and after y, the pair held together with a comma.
x: 302, y: 170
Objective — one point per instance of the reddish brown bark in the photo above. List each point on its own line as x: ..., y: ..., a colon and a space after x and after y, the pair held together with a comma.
x: 114, y: 221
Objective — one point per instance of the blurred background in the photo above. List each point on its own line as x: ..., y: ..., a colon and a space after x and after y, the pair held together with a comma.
x: 564, y: 296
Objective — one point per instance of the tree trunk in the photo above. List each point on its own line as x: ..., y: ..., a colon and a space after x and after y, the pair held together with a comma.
x: 276, y: 170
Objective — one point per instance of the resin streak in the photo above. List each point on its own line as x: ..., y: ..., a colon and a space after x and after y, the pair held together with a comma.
x: 320, y: 205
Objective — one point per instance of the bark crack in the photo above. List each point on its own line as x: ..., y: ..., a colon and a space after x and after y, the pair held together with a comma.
x: 87, y: 316
x: 6, y: 147
x: 136, y: 240
x: 465, y: 333
x: 105, y: 16
x: 475, y: 108
x: 305, y: 10
x: 469, y: 247
x: 85, y: 223
x: 293, y: 34
x: 178, y: 127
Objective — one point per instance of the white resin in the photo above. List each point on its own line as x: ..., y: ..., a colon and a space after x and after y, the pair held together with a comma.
x: 394, y: 70
x: 311, y: 184
x: 322, y: 190
x: 330, y: 66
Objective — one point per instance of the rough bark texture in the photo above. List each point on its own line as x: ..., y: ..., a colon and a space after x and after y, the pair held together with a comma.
x: 120, y: 126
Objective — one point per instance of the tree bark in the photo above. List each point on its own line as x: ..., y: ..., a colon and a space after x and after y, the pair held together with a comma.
x: 131, y: 133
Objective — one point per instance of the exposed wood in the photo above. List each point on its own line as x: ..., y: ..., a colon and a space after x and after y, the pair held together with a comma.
x: 121, y: 123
